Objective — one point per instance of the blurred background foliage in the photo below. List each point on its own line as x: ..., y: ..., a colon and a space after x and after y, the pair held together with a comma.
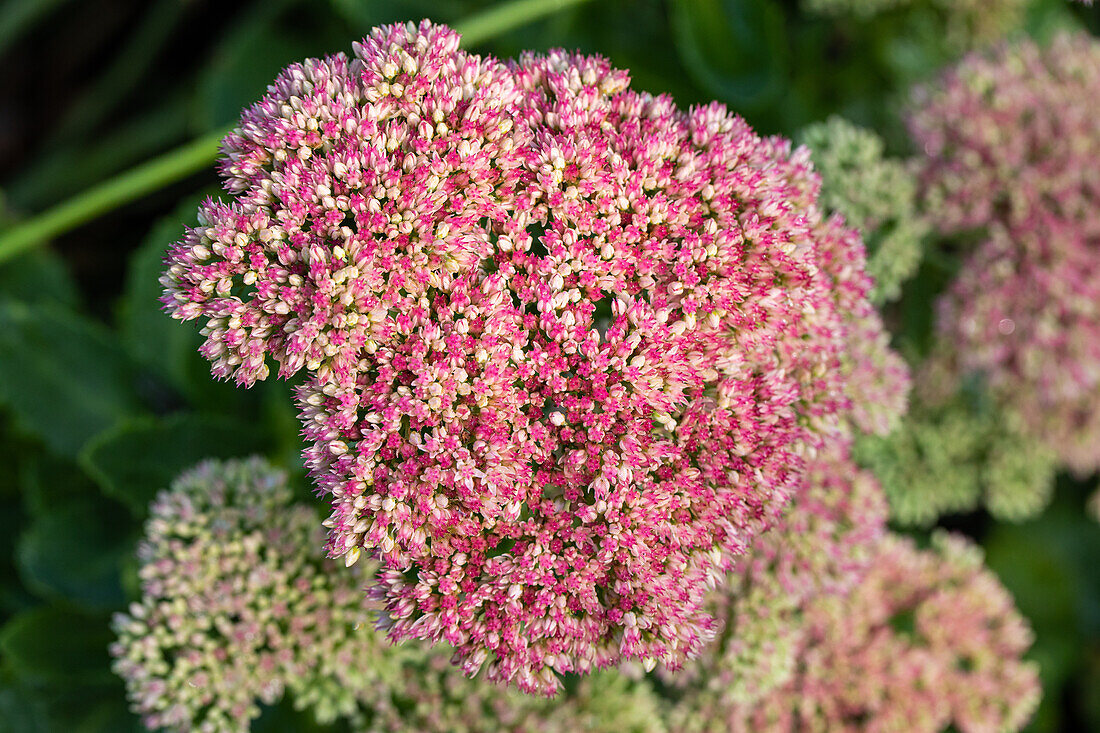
x: 103, y: 399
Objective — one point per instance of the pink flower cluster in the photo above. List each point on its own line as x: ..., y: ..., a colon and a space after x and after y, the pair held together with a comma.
x: 929, y: 641
x: 1012, y: 141
x: 565, y: 346
x: 823, y: 546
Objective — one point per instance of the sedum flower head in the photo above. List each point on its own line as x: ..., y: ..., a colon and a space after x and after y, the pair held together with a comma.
x: 929, y: 641
x: 1007, y: 133
x: 565, y: 346
x: 821, y: 547
x: 875, y: 194
x: 238, y: 607
x: 1011, y: 139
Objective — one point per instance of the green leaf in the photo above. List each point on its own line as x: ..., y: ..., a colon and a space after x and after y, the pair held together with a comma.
x: 735, y: 49
x: 75, y: 553
x: 136, y: 460
x: 64, y: 707
x: 50, y: 644
x: 38, y: 276
x: 21, y: 711
x: 12, y: 595
x: 63, y: 376
x: 47, y: 481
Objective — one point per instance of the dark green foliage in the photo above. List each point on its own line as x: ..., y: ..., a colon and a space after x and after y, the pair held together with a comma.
x: 51, y: 644
x: 733, y: 49
x: 75, y: 552
x: 63, y: 376
x: 135, y: 460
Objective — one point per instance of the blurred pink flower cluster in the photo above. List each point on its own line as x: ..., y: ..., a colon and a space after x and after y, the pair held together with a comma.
x: 823, y: 546
x: 928, y: 641
x: 566, y: 348
x: 1012, y: 139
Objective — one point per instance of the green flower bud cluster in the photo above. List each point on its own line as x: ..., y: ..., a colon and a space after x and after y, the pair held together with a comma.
x: 238, y: 608
x: 875, y: 194
x: 955, y: 454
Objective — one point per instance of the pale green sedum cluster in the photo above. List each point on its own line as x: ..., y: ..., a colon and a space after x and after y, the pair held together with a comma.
x: 238, y: 608
x: 876, y: 194
x: 955, y: 455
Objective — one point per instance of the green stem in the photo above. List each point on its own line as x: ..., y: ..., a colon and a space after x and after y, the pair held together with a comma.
x: 505, y: 17
x: 110, y: 194
x: 198, y: 154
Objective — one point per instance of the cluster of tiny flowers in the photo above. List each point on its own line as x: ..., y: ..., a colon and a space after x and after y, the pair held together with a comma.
x: 875, y: 194
x: 822, y: 546
x: 565, y: 346
x: 956, y: 451
x: 1011, y: 140
x: 238, y: 607
x: 929, y: 641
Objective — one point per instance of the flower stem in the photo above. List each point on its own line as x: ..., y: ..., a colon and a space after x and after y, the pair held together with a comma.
x: 503, y: 18
x: 123, y: 188
x: 200, y: 153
